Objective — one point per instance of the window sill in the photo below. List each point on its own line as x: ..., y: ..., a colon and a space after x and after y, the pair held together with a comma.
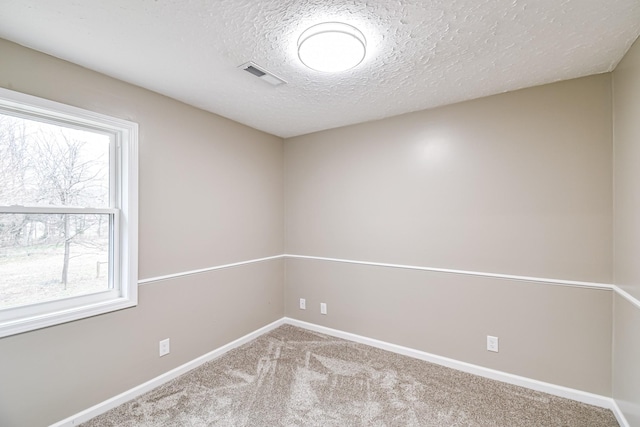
x: 38, y: 321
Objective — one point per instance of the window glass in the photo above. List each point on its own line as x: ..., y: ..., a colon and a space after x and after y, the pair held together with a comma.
x: 43, y: 164
x: 39, y: 261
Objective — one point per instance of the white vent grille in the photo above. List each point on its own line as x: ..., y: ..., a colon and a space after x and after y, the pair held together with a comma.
x: 261, y: 73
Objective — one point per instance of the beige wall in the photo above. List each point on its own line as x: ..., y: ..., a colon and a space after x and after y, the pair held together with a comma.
x: 210, y: 194
x: 626, y: 113
x: 626, y: 354
x: 519, y: 183
x: 626, y: 345
x: 550, y: 333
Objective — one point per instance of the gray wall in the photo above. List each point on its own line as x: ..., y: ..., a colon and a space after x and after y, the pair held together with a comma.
x: 626, y: 342
x: 210, y: 194
x: 519, y: 183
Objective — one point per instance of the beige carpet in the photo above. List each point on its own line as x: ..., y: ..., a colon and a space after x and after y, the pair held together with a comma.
x: 295, y: 377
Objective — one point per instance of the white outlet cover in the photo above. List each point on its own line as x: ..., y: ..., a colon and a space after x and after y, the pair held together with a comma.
x: 492, y: 343
x: 303, y: 304
x: 165, y: 347
x: 323, y: 308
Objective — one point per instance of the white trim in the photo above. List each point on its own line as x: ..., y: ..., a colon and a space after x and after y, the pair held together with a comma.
x: 81, y: 310
x: 553, y: 389
x: 622, y: 420
x: 558, y: 282
x: 204, y: 270
x: 28, y: 106
x: 624, y: 294
x: 130, y: 394
x: 126, y: 254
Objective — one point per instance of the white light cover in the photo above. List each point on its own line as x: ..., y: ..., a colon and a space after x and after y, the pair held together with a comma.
x: 331, y: 47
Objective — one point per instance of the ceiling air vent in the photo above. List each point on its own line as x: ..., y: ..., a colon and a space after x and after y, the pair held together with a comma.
x: 262, y: 74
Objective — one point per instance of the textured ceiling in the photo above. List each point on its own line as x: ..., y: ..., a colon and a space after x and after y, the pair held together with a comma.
x: 421, y: 54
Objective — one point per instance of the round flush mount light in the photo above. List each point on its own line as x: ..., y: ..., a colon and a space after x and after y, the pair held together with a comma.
x: 331, y: 47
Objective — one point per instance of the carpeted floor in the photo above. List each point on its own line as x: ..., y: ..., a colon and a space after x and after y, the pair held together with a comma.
x: 295, y: 377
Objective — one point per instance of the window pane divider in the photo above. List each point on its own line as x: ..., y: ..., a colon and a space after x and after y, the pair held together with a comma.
x: 56, y: 209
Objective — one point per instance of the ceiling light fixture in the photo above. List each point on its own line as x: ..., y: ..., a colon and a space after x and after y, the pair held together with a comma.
x: 331, y: 47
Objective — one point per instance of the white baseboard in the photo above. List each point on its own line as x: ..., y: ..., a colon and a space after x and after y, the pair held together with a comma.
x: 556, y: 390
x: 103, y: 407
x: 622, y: 420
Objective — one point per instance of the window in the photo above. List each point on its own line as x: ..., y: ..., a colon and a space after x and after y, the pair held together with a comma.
x: 68, y: 213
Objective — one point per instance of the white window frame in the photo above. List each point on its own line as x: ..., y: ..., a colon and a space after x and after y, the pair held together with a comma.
x: 123, y: 209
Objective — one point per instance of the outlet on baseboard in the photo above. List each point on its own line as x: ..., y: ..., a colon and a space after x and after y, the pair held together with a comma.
x: 492, y: 343
x: 303, y: 304
x: 165, y: 347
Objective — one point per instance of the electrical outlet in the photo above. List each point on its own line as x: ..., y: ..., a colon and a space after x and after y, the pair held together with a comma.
x: 492, y: 343
x: 323, y: 308
x: 303, y: 304
x: 165, y: 347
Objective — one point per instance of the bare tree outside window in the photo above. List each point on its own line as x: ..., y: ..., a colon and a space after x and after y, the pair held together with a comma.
x: 52, y: 255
